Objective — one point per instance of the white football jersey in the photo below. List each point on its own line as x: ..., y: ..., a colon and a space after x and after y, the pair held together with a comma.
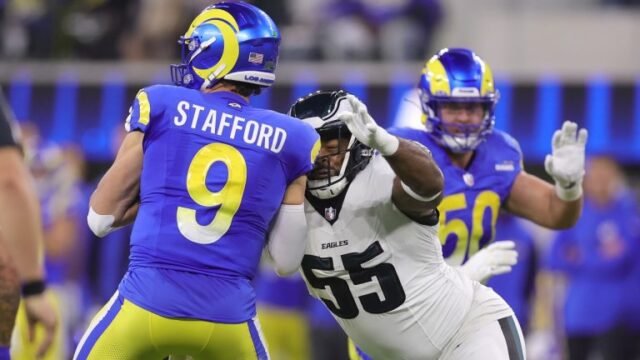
x: 383, y: 276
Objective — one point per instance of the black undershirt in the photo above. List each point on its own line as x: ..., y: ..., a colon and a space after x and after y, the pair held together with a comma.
x: 7, y: 135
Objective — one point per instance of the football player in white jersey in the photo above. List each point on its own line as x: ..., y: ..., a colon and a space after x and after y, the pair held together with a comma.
x: 373, y: 255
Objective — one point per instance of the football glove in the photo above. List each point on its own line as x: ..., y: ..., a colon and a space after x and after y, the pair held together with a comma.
x: 366, y: 130
x: 565, y: 164
x: 495, y: 259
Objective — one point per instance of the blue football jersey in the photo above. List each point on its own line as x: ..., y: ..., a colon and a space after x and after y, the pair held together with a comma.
x: 472, y: 196
x: 214, y: 173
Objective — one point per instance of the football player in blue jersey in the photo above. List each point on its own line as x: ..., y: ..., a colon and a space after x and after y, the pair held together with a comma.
x: 210, y: 181
x: 483, y: 166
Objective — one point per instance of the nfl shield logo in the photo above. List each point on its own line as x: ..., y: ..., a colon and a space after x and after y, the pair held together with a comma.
x: 256, y: 58
x: 329, y: 213
x: 468, y: 179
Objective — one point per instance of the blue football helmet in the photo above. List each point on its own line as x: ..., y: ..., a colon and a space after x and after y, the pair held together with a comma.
x: 228, y: 40
x: 457, y: 75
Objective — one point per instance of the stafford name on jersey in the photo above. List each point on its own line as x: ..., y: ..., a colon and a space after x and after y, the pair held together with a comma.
x: 230, y: 126
x: 334, y: 244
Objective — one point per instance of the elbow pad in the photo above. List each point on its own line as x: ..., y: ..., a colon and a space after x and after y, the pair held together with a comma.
x: 288, y: 239
x: 100, y: 225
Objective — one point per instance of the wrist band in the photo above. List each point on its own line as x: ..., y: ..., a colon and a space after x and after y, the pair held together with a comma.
x: 34, y: 287
x: 571, y: 193
x: 418, y: 197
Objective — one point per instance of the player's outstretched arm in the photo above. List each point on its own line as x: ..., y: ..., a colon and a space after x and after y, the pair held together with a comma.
x: 115, y: 201
x: 559, y: 206
x: 288, y: 235
x: 417, y: 189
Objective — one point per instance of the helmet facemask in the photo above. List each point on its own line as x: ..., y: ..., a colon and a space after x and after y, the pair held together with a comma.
x: 180, y: 74
x: 322, y: 110
x: 458, y: 138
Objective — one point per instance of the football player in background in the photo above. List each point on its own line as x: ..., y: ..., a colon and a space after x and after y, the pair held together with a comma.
x: 597, y: 258
x: 21, y: 244
x: 206, y: 176
x: 373, y: 255
x: 483, y: 166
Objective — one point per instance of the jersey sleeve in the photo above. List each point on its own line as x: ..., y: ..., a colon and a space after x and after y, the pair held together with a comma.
x: 516, y: 151
x: 512, y: 157
x: 8, y: 129
x: 301, y: 151
x: 146, y: 107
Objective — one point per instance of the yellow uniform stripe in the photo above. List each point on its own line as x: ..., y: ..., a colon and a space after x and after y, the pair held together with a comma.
x: 315, y: 150
x: 145, y: 107
x: 157, y: 336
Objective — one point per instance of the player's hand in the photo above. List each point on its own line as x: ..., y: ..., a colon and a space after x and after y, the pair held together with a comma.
x: 497, y: 258
x: 366, y: 130
x: 40, y: 311
x: 565, y: 164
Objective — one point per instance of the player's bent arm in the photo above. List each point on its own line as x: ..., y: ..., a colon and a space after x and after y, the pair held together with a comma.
x: 534, y: 199
x: 288, y: 235
x: 21, y: 227
x: 417, y: 188
x: 20, y: 220
x: 114, y: 202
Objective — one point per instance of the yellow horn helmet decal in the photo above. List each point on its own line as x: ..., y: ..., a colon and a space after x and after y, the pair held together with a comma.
x: 211, y: 14
x: 487, y: 80
x: 437, y: 77
x: 228, y: 27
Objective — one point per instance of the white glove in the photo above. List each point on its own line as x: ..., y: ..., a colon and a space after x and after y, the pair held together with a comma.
x: 565, y: 164
x: 365, y: 129
x: 495, y: 259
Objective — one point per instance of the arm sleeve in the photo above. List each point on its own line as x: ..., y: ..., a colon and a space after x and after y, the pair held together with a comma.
x: 514, y: 152
x: 146, y: 106
x: 287, y: 239
x: 302, y: 150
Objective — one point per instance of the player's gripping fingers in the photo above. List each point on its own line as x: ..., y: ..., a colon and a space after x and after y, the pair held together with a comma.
x: 508, y: 257
x: 548, y: 165
x: 503, y: 253
x: 569, y: 130
x: 583, y: 134
x: 556, y: 141
x: 352, y: 120
x: 499, y: 270
x: 346, y: 117
x: 356, y: 104
x: 504, y: 244
x: 349, y: 119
